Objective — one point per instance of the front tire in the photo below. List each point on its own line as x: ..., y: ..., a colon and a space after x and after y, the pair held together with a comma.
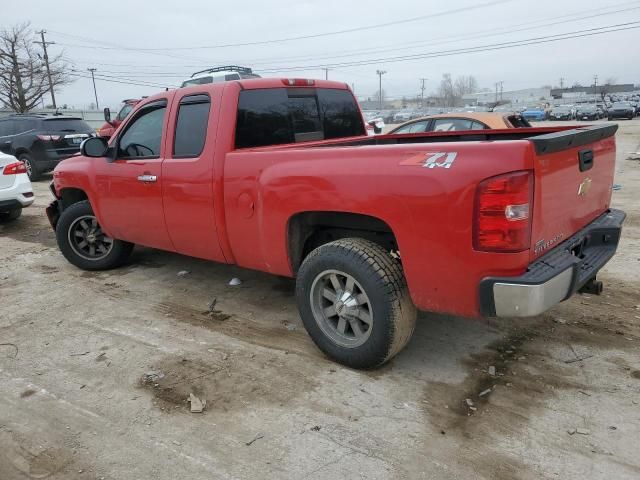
x: 84, y: 244
x: 354, y: 302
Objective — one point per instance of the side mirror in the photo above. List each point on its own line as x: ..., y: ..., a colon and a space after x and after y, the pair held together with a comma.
x: 107, y: 115
x: 376, y: 127
x: 94, y: 147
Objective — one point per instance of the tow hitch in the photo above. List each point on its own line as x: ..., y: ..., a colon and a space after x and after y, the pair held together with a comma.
x: 593, y: 287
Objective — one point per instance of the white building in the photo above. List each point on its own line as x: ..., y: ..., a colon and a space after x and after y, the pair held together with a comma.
x: 522, y: 97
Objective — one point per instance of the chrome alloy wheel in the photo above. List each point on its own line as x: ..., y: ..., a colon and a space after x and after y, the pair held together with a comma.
x: 87, y: 238
x: 341, y: 308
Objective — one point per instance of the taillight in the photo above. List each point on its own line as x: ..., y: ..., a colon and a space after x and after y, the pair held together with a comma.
x: 14, y: 169
x: 46, y: 138
x: 503, y: 208
x: 298, y: 82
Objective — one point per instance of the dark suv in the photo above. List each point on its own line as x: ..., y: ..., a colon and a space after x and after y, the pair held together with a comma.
x: 42, y: 141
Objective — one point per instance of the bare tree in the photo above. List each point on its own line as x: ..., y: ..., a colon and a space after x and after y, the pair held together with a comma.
x: 376, y: 96
x: 465, y: 84
x: 451, y: 92
x: 605, y: 89
x: 445, y: 91
x: 23, y: 73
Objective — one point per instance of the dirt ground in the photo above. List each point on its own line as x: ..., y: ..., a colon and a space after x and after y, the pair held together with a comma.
x: 96, y: 368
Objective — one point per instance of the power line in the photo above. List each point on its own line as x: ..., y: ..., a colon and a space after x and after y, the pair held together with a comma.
x: 469, y: 36
x: 422, y: 88
x: 44, y: 44
x: 356, y: 52
x: 115, y: 80
x: 481, y: 48
x: 380, y: 73
x: 316, y: 35
x: 93, y: 79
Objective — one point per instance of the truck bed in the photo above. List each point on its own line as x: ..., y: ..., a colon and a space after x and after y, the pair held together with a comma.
x: 546, y: 139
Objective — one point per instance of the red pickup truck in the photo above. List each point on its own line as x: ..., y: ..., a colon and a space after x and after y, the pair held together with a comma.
x: 279, y: 175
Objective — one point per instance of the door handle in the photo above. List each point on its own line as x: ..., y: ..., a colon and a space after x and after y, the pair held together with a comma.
x: 147, y: 178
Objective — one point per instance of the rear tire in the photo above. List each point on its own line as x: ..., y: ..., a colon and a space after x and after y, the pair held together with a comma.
x: 354, y: 302
x: 11, y: 215
x: 83, y: 243
x: 32, y: 171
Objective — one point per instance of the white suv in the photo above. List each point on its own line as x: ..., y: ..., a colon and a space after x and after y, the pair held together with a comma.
x: 15, y: 188
x: 219, y: 74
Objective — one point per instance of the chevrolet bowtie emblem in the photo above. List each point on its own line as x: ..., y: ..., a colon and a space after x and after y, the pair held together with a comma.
x: 584, y: 187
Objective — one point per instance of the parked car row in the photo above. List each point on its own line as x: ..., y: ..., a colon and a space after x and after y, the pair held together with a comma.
x: 42, y: 141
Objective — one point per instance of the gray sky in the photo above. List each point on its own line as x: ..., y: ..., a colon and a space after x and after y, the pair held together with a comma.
x: 79, y: 27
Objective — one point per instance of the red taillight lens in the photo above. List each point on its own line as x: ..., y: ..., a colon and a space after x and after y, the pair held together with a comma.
x: 14, y: 169
x: 46, y: 138
x: 298, y: 82
x: 503, y: 211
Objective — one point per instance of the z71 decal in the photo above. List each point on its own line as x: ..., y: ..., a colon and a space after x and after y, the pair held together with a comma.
x: 431, y: 160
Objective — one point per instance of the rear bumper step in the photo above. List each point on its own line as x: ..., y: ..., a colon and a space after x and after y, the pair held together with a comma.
x: 570, y: 267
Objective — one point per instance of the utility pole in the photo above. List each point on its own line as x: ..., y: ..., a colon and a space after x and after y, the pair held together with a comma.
x: 500, y: 82
x: 561, y: 82
x: 95, y: 92
x: 595, y: 86
x: 497, y: 83
x: 380, y: 73
x: 422, y: 87
x: 44, y: 44
x: 326, y: 73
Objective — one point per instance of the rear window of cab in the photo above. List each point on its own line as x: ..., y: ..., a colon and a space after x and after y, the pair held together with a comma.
x: 276, y: 116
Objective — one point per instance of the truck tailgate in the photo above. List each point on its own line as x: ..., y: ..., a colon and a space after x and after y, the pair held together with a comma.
x: 573, y: 178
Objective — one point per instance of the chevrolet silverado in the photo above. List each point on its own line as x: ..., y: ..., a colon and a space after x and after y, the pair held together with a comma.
x: 279, y: 175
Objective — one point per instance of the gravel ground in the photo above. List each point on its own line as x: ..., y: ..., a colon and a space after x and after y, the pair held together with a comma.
x: 95, y: 370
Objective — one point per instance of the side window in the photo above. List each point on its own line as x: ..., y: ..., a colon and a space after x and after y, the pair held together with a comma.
x: 124, y: 111
x: 143, y: 136
x: 478, y: 126
x: 191, y: 126
x: 404, y: 129
x: 451, y: 124
x: 287, y: 115
x: 416, y: 127
x: 263, y: 118
x: 340, y: 114
x: 21, y: 125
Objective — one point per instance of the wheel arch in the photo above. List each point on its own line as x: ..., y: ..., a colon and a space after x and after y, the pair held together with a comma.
x: 71, y: 195
x: 311, y: 229
x: 20, y: 150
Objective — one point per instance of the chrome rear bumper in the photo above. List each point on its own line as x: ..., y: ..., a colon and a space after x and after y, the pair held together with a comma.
x: 557, y: 275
